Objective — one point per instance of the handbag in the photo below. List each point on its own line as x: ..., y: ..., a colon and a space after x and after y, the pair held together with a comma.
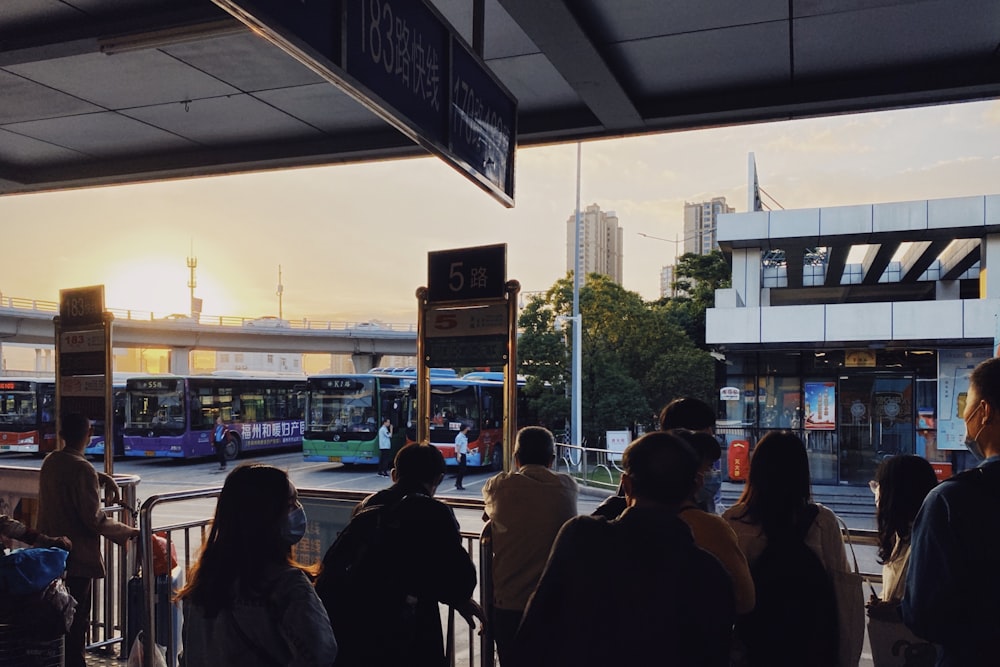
x: 26, y: 571
x: 892, y: 643
x: 850, y: 608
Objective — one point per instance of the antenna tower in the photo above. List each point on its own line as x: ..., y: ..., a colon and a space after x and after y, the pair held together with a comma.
x: 192, y: 263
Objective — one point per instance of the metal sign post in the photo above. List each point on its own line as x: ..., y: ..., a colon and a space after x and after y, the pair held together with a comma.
x: 84, y: 361
x: 467, y: 316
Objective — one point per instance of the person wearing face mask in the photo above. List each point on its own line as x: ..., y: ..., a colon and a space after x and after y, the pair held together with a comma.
x: 710, y: 531
x: 247, y: 603
x: 692, y: 415
x: 952, y: 598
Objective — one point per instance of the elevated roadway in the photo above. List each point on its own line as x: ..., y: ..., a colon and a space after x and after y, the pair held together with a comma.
x: 30, y: 322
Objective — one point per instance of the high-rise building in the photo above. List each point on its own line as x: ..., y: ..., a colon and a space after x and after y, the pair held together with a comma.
x: 667, y: 281
x: 700, y: 220
x: 601, y: 243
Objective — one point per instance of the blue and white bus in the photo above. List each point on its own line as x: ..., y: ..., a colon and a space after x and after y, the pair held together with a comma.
x: 174, y: 416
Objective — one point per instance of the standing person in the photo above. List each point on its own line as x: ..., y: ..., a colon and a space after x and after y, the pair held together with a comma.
x: 901, y: 483
x: 693, y: 415
x: 384, y: 608
x: 952, y: 596
x: 526, y: 508
x: 776, y: 506
x: 13, y: 529
x: 220, y: 436
x: 671, y: 602
x: 384, y: 447
x: 461, y: 454
x: 69, y: 503
x: 247, y: 603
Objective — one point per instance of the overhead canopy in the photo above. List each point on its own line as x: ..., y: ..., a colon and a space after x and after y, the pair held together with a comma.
x: 113, y: 91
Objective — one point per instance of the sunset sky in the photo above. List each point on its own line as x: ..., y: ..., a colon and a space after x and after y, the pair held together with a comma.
x: 353, y: 240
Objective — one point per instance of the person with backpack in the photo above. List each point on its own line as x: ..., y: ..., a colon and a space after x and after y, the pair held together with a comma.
x: 669, y: 603
x: 400, y: 555
x: 793, y: 546
x: 952, y: 597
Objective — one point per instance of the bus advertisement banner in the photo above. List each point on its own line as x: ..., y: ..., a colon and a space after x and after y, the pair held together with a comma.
x: 271, y: 434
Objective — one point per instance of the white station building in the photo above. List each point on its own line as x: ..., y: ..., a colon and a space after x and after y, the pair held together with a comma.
x: 856, y: 326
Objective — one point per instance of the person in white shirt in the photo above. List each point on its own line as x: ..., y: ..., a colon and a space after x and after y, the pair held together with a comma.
x: 526, y: 508
x: 461, y: 453
x: 384, y: 447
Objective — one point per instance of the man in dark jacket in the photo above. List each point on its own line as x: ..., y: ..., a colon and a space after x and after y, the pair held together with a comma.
x: 669, y: 603
x: 952, y: 598
x: 417, y: 562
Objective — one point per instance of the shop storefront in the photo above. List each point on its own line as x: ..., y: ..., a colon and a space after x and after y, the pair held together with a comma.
x: 852, y: 407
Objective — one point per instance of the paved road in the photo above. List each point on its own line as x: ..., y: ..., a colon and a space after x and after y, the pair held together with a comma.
x: 169, y: 475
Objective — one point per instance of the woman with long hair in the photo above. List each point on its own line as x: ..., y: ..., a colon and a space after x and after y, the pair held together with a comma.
x: 247, y: 603
x: 901, y: 483
x: 776, y: 505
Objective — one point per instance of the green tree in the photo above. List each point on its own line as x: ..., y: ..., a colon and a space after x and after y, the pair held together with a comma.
x: 696, y: 277
x: 635, y: 359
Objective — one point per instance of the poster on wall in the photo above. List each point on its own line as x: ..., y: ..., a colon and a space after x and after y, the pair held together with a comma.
x: 821, y: 406
x: 954, y: 367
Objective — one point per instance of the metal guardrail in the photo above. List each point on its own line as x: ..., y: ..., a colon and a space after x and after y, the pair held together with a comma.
x: 185, y: 532
x: 366, y: 328
x: 484, y: 657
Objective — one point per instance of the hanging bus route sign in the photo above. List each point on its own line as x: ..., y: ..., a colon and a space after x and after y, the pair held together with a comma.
x: 405, y: 62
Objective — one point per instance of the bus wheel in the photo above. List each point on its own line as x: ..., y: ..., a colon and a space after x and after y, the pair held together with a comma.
x: 496, y: 465
x: 232, y: 447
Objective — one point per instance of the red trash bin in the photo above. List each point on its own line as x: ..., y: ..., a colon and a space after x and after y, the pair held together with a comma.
x: 739, y: 460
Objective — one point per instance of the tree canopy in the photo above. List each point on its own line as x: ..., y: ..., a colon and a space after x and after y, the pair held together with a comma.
x: 636, y: 358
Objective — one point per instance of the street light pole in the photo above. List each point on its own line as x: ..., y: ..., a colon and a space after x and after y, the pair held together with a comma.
x: 575, y: 412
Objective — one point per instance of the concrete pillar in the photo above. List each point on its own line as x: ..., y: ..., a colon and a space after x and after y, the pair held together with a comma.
x: 180, y: 360
x: 990, y: 259
x: 746, y: 276
x: 365, y: 361
x: 947, y: 290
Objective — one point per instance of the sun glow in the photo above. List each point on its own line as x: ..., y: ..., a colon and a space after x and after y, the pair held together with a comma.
x: 159, y: 286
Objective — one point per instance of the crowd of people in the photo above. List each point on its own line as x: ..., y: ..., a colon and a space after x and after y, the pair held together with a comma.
x: 654, y: 575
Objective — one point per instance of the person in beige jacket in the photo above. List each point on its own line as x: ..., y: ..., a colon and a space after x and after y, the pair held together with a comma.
x: 69, y: 504
x: 527, y: 507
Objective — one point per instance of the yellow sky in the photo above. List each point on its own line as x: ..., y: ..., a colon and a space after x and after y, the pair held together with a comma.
x: 353, y: 240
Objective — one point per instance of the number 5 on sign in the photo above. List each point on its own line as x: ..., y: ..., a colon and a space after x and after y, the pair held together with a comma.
x: 467, y: 274
x: 456, y: 281
x: 488, y: 320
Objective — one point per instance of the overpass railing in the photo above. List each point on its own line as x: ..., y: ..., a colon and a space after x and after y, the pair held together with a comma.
x: 259, y: 323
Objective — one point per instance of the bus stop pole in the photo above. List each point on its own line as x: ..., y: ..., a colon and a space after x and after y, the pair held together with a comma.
x: 423, y: 373
x: 513, y: 287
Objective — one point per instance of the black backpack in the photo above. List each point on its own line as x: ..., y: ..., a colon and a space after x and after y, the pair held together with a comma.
x: 363, y: 586
x: 794, y: 621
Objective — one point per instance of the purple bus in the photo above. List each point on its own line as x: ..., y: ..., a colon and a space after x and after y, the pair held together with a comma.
x: 174, y: 416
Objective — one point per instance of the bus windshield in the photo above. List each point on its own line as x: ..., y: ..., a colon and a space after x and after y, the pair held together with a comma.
x: 453, y: 407
x: 18, y: 406
x: 344, y: 405
x: 155, y: 403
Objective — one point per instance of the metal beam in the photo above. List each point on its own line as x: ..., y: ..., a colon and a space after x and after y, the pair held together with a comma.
x: 876, y: 259
x: 794, y: 260
x: 919, y: 258
x: 201, y: 21
x: 959, y: 258
x: 835, y: 265
x: 556, y: 32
